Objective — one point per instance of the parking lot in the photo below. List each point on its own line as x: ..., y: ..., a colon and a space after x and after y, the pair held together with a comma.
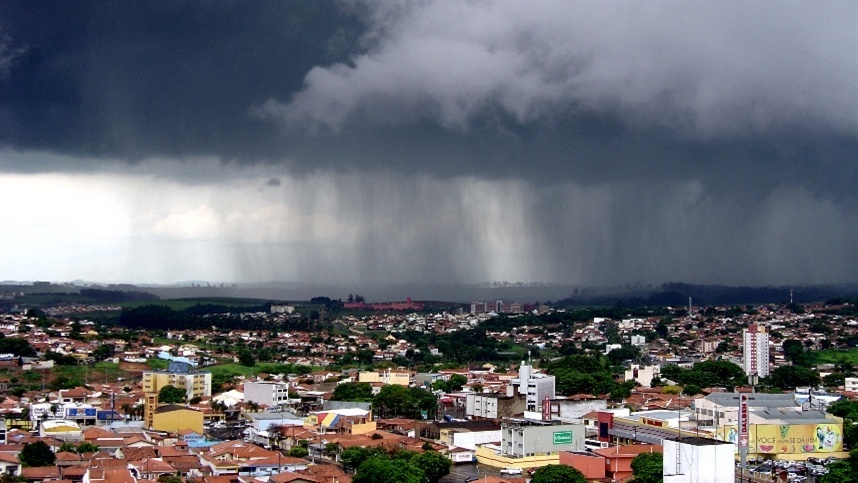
x: 791, y: 471
x: 460, y: 473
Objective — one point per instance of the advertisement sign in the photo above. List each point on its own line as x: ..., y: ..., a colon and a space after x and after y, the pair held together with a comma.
x: 562, y: 437
x: 798, y: 438
x: 788, y: 438
x: 653, y: 422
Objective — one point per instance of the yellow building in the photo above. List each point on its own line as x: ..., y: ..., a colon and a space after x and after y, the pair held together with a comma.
x: 174, y: 418
x: 399, y: 378
x: 342, y: 421
x: 195, y: 384
x: 61, y: 429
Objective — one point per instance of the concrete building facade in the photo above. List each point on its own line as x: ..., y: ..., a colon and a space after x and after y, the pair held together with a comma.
x: 755, y: 351
x: 643, y: 375
x: 493, y: 406
x: 523, y: 439
x: 268, y: 393
x: 698, y: 460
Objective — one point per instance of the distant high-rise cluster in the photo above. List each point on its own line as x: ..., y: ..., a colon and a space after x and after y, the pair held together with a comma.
x: 755, y: 350
x: 498, y: 307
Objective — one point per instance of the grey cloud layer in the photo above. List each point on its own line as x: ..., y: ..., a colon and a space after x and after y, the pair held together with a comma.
x: 704, y: 70
x: 624, y: 141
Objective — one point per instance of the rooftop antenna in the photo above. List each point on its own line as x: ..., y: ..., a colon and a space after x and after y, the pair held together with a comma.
x: 790, y: 297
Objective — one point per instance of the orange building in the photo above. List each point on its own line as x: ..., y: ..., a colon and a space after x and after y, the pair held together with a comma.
x: 590, y: 465
x: 618, y: 459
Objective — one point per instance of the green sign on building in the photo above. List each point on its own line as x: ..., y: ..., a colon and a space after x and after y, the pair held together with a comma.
x: 562, y: 437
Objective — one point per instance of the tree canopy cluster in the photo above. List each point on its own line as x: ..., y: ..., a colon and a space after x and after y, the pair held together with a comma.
x: 394, y: 400
x: 375, y: 464
x: 848, y: 410
x: 558, y: 474
x: 204, y: 316
x: 37, y: 454
x: 648, y: 468
x: 353, y: 391
x: 707, y: 374
x: 170, y: 394
x: 16, y: 346
x: 453, y: 384
x: 580, y: 374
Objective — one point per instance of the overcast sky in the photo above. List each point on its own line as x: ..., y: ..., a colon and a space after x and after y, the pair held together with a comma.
x: 587, y: 143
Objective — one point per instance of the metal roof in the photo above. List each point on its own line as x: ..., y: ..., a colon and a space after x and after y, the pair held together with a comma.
x: 755, y: 400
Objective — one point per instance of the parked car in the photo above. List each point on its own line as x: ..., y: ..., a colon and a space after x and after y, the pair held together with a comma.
x: 511, y: 471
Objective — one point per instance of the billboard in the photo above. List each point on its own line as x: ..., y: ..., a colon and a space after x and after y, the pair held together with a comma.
x: 789, y: 438
x: 562, y: 437
x: 799, y: 438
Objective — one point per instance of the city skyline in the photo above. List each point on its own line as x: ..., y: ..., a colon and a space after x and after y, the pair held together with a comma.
x: 584, y: 143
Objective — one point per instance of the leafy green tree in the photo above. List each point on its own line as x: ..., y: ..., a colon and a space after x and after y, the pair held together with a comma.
x: 353, y: 457
x: 726, y: 373
x: 246, y: 358
x: 792, y: 348
x: 379, y: 469
x: 457, y: 381
x: 558, y: 474
x: 298, y: 452
x: 848, y: 410
x: 170, y: 394
x: 621, y: 355
x: 74, y: 332
x: 834, y: 379
x: 648, y: 468
x: 170, y: 479
x: 692, y: 390
x: 365, y: 356
x: 67, y: 447
x: 104, y: 351
x: 37, y: 454
x: 661, y: 328
x: 454, y: 383
x: 424, y: 400
x: 434, y: 465
x: 65, y: 382
x: 87, y: 447
x: 331, y: 449
x: 790, y: 377
x: 353, y: 391
x: 16, y: 346
x: 842, y: 471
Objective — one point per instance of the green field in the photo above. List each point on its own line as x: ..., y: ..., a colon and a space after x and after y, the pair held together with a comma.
x: 832, y: 356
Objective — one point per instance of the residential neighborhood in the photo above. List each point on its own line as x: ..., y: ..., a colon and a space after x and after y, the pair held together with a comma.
x: 113, y: 403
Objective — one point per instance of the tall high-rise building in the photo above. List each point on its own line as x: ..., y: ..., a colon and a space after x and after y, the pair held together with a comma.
x: 755, y: 350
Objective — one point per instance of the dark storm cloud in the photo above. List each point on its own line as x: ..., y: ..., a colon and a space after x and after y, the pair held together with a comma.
x: 632, y: 141
x: 139, y: 79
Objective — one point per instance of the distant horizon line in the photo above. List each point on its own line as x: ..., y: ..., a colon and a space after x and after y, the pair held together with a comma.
x: 484, y: 284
